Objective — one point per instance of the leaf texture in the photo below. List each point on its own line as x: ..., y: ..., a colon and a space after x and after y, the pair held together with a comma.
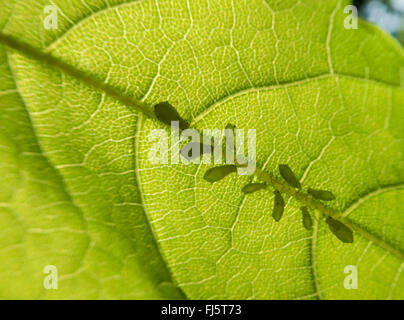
x: 79, y: 192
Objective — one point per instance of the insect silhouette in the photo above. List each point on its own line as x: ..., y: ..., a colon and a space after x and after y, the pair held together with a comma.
x: 218, y: 173
x: 288, y: 175
x: 321, y: 194
x: 341, y: 231
x: 279, y: 206
x: 306, y: 218
x: 253, y: 187
x: 166, y: 113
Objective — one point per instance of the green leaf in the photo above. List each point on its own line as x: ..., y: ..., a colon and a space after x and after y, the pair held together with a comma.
x: 79, y: 192
x: 88, y: 221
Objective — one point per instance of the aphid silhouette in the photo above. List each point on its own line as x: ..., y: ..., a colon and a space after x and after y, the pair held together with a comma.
x: 188, y: 150
x: 341, y: 231
x: 253, y: 187
x: 288, y: 175
x: 321, y: 194
x: 218, y: 173
x: 279, y: 206
x: 229, y: 139
x: 166, y: 113
x: 306, y: 218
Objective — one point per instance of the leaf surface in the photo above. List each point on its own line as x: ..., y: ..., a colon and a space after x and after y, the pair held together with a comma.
x: 81, y: 193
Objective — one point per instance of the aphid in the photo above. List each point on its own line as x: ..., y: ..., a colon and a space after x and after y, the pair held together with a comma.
x: 229, y: 139
x: 279, y: 206
x: 218, y: 173
x: 321, y: 194
x: 340, y: 230
x: 253, y: 187
x: 166, y: 113
x: 188, y: 150
x: 306, y: 218
x: 288, y: 175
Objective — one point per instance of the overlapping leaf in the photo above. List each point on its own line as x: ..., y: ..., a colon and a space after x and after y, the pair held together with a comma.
x: 80, y: 191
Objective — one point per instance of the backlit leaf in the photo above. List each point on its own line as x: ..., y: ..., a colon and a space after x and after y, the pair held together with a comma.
x: 78, y: 190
